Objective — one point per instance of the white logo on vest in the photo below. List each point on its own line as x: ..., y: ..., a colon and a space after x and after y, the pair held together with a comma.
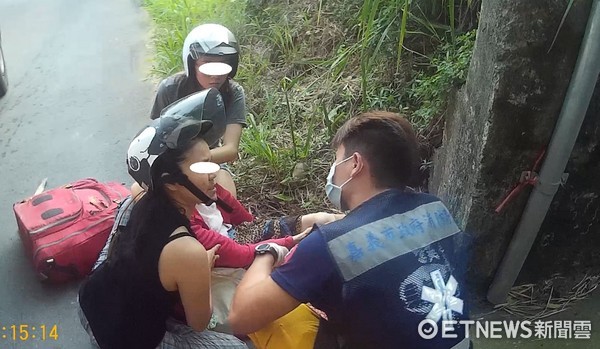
x: 442, y: 297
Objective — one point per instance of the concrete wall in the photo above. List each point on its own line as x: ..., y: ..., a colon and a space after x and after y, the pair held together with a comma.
x: 503, y: 117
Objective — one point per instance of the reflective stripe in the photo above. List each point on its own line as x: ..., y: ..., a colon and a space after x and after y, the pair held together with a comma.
x: 375, y: 243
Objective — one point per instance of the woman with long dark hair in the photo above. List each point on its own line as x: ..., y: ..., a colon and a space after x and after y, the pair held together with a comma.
x: 155, y: 261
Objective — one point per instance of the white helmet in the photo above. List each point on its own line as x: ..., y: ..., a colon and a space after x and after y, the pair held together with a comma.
x: 210, y: 40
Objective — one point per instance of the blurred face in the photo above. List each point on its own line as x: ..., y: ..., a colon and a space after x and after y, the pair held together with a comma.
x: 208, y: 81
x: 205, y: 182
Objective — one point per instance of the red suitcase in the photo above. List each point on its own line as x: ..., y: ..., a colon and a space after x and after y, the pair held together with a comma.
x: 64, y: 229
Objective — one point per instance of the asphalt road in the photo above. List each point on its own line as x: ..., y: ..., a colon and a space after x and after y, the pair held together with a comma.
x: 77, y: 96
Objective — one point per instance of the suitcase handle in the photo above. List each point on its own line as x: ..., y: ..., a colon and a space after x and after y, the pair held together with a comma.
x: 91, y: 183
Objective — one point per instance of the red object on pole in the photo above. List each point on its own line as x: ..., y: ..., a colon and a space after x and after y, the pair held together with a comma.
x: 527, y: 178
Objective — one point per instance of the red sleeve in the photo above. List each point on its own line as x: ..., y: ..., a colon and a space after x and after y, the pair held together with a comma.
x: 239, y: 214
x: 231, y: 254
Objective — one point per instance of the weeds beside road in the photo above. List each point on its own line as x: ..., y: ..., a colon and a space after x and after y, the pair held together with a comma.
x: 308, y: 65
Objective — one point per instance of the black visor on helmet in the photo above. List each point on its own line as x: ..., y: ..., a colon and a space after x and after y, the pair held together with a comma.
x: 175, y: 131
x: 204, y: 105
x: 198, y: 50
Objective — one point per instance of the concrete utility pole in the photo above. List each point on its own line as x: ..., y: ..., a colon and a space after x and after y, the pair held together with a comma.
x: 503, y: 118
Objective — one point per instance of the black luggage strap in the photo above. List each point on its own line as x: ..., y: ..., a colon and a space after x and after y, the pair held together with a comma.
x: 51, y: 265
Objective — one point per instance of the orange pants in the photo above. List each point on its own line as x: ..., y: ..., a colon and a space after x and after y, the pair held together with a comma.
x: 295, y: 330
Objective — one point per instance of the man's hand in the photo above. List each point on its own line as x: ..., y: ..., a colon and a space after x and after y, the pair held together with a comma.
x: 212, y: 255
x: 281, y: 253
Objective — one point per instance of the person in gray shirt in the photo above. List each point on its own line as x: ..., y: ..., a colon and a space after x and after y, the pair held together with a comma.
x: 210, y: 59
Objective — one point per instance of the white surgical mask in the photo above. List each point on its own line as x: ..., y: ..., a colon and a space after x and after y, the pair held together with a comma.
x: 334, y: 192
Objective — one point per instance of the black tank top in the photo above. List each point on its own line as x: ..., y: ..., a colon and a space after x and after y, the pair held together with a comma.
x: 124, y: 300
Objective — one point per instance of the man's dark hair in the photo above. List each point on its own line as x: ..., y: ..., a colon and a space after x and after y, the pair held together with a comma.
x: 388, y: 143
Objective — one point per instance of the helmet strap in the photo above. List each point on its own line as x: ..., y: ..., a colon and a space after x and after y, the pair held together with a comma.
x: 182, y: 179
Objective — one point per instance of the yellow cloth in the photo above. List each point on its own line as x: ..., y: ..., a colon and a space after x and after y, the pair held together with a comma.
x: 295, y: 330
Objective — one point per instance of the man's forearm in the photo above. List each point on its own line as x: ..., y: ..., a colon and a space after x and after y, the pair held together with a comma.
x: 245, y: 311
x: 260, y: 269
x: 258, y: 300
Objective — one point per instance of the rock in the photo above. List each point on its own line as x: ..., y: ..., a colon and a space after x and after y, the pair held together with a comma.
x: 300, y: 171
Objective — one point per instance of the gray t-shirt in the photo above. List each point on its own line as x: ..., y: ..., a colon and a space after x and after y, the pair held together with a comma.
x: 176, y: 87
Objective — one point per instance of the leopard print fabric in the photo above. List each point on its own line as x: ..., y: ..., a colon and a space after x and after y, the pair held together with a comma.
x: 264, y: 229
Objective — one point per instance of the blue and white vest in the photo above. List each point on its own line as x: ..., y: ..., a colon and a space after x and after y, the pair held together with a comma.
x: 400, y: 264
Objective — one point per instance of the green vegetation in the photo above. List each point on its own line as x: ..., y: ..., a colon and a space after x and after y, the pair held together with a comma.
x: 429, y: 91
x: 308, y: 65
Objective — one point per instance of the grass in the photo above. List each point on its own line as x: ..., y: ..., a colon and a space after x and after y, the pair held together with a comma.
x: 308, y: 65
